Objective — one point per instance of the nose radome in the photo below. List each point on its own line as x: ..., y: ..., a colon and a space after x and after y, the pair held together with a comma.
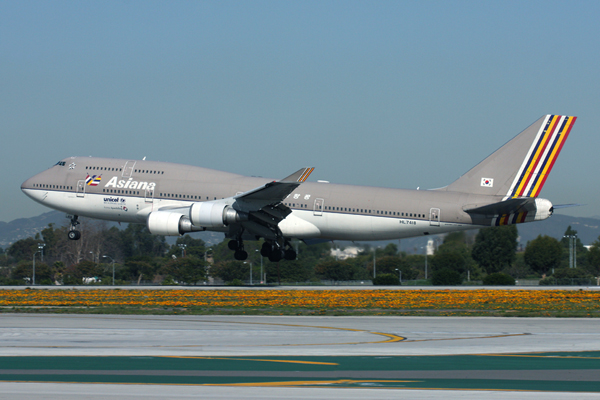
x: 27, y: 184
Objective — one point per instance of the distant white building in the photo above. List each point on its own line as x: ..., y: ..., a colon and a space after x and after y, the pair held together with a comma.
x: 348, y: 252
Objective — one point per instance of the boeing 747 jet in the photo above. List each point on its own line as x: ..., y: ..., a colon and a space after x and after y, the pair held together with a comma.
x: 173, y: 199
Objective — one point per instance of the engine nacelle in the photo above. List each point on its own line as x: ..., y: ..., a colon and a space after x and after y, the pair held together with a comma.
x: 214, y: 214
x: 169, y: 223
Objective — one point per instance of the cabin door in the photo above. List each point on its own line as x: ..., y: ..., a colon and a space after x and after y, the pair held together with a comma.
x: 149, y: 195
x: 128, y: 169
x: 80, y: 188
x: 318, y: 211
x: 434, y: 217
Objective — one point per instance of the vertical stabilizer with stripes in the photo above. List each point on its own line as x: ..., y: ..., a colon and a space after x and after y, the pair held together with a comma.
x: 520, y: 167
x: 541, y: 156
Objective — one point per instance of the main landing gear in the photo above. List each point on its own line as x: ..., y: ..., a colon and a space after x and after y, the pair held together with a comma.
x: 272, y: 250
x: 73, y: 233
x: 275, y: 252
x: 238, y: 247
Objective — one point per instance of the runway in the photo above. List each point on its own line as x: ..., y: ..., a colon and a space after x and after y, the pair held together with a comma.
x: 298, y: 356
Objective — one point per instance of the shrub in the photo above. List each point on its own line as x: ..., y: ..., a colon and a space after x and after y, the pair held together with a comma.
x: 499, y: 279
x: 568, y: 276
x: 445, y: 277
x: 386, y: 279
x: 169, y: 281
x: 549, y: 281
x: 4, y: 281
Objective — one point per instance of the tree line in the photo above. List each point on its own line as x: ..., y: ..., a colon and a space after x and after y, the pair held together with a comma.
x: 138, y: 257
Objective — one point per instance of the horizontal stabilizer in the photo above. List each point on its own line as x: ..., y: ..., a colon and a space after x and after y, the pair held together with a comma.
x: 512, y: 211
x: 504, y: 207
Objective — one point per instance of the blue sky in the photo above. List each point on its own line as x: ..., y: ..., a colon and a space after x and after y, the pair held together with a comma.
x: 395, y: 94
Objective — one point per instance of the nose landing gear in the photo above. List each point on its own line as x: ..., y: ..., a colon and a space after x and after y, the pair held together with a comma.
x: 73, y: 233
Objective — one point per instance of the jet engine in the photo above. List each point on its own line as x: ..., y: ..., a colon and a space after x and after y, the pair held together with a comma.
x: 211, y: 214
x: 169, y: 223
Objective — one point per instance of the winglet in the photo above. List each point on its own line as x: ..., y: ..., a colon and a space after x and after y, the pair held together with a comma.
x: 299, y: 176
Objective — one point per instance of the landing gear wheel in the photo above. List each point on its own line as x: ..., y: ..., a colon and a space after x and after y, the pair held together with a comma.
x: 233, y: 244
x: 290, y: 254
x: 73, y: 233
x: 240, y: 255
x: 265, y: 250
x: 275, y: 255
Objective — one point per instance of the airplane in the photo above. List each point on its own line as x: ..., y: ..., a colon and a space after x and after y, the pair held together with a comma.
x: 174, y: 199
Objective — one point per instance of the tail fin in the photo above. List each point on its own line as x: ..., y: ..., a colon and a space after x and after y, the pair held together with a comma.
x: 521, y: 166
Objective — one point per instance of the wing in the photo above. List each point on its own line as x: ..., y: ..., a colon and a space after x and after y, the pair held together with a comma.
x: 278, y: 190
x: 264, y: 204
x: 255, y: 213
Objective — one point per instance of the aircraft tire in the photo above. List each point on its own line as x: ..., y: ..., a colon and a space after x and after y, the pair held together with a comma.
x: 74, y: 235
x: 265, y: 250
x: 275, y: 256
x: 240, y: 255
x: 289, y: 254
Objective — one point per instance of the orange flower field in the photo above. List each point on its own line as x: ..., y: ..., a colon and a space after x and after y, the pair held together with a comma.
x: 451, y: 302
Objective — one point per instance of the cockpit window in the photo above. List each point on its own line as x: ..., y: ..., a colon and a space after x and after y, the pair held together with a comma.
x: 61, y: 163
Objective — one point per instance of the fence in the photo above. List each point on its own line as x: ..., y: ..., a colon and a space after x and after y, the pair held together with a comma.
x: 550, y: 281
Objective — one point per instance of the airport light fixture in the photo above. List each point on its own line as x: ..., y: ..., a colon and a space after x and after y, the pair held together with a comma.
x: 261, y: 266
x: 41, y: 249
x: 33, y: 278
x: 425, y: 251
x: 113, y: 267
x: 209, y: 250
x: 572, y: 250
x: 206, y: 264
x: 245, y: 262
x: 182, y: 246
x: 375, y: 261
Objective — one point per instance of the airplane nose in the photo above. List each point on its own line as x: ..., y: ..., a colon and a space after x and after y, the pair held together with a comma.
x: 26, y: 184
x: 29, y: 188
x: 32, y: 191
